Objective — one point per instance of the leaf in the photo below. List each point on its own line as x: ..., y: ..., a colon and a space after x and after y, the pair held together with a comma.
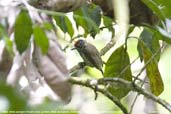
x: 156, y: 83
x: 9, y: 45
x: 8, y: 42
x: 160, y: 7
x: 89, y: 18
x: 47, y: 26
x: 23, y: 31
x: 165, y: 7
x: 115, y: 67
x: 154, y: 7
x: 95, y: 13
x: 41, y: 39
x: 65, y: 24
x: 2, y: 31
x: 164, y: 35
x: 161, y: 33
x: 6, y: 62
x: 108, y: 22
x: 16, y: 100
x: 151, y: 39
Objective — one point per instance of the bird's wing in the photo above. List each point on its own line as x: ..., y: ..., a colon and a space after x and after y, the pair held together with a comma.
x: 93, y: 56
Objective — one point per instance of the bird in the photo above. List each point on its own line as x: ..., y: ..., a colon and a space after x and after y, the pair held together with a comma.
x: 89, y: 53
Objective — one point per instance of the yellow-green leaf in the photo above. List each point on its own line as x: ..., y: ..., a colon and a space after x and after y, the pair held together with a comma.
x: 156, y: 83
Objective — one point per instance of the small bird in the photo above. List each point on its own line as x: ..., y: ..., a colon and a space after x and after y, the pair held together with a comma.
x: 90, y: 54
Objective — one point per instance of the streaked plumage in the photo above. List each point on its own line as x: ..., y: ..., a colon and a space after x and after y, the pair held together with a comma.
x: 90, y: 54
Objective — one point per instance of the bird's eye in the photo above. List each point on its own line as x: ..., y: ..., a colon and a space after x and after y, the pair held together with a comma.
x: 80, y: 43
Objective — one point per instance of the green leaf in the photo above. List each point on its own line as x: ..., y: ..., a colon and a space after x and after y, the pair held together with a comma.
x: 9, y: 45
x: 161, y: 33
x: 16, y: 101
x: 2, y: 31
x: 108, y: 22
x: 164, y: 6
x: 160, y: 7
x: 23, y: 31
x: 154, y: 7
x: 94, y: 13
x: 8, y: 42
x: 115, y: 67
x: 151, y: 39
x: 41, y: 39
x: 89, y: 18
x: 65, y: 24
x: 47, y: 26
x: 164, y: 35
x: 156, y: 83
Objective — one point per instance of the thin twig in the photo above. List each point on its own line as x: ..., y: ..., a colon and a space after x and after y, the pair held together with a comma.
x: 128, y: 66
x: 87, y: 83
x: 136, y: 97
x: 77, y: 67
x: 152, y: 57
x: 140, y: 80
x: 102, y: 52
x: 130, y: 85
x: 135, y: 87
x: 81, y: 35
x: 71, y: 40
x: 107, y: 47
x: 132, y: 105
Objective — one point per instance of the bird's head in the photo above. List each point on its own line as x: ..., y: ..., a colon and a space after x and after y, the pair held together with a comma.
x: 79, y: 44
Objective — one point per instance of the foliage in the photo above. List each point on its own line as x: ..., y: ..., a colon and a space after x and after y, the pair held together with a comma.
x: 16, y: 100
x: 23, y: 31
x: 118, y: 69
x: 41, y: 39
x: 65, y: 24
x: 90, y: 17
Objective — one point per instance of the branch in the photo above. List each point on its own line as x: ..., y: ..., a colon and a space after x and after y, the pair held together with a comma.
x: 136, y: 88
x: 102, y: 52
x: 88, y: 83
x: 136, y: 97
x: 130, y: 85
x: 53, y: 13
x: 108, y: 47
x: 77, y: 67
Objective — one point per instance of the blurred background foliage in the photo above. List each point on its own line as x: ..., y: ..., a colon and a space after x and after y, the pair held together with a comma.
x: 149, y: 36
